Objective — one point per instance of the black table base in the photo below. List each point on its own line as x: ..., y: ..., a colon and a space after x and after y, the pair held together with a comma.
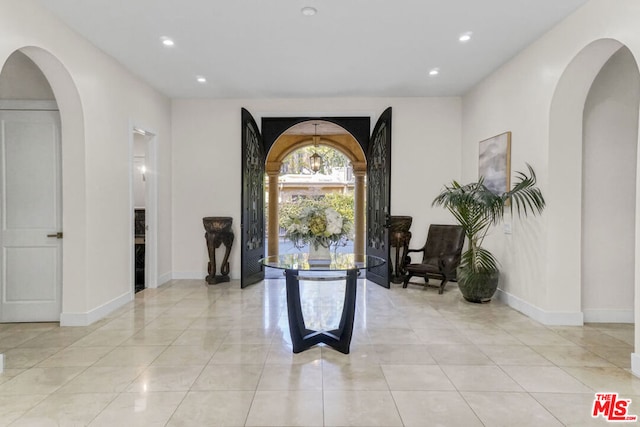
x: 303, y: 338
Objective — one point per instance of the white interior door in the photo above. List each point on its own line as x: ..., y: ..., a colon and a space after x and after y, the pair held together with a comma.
x: 31, y: 268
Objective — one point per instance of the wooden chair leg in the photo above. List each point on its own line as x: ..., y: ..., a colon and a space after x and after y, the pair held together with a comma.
x: 407, y: 277
x: 441, y: 290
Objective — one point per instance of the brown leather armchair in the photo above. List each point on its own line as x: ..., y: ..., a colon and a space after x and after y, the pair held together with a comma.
x: 441, y: 255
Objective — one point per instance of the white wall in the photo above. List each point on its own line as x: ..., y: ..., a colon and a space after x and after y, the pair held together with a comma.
x: 609, y: 191
x: 540, y: 260
x: 206, y: 162
x: 22, y: 79
x: 98, y: 100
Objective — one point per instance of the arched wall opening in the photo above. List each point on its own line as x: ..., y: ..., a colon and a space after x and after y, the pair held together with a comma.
x: 564, y: 188
x: 305, y: 134
x: 567, y: 185
x: 610, y: 139
x: 74, y: 274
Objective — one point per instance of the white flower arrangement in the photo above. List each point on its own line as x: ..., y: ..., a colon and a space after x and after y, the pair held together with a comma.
x: 318, y: 226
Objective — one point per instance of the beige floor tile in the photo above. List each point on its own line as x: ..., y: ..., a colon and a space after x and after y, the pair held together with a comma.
x: 353, y: 377
x: 149, y: 337
x: 480, y: 378
x: 103, y: 338
x: 165, y: 378
x: 211, y: 339
x: 441, y: 336
x: 39, y: 381
x: 360, y: 408
x: 398, y: 336
x: 127, y: 324
x: 102, y: 380
x: 458, y: 354
x: 13, y: 407
x: 228, y: 377
x: 388, y: 321
x: 410, y: 354
x: 177, y: 355
x: 15, y: 338
x: 541, y: 337
x: 518, y: 355
x: 249, y: 336
x: 221, y: 324
x: 546, y: 379
x: 490, y: 336
x: 434, y: 408
x: 416, y: 377
x: 169, y: 323
x: 23, y: 358
x: 66, y: 410
x: 240, y: 353
x: 292, y: 377
x: 607, y: 379
x: 57, y: 338
x: 213, y: 408
x: 571, y: 356
x: 75, y: 356
x: 619, y: 356
x: 134, y: 356
x: 588, y: 336
x: 286, y: 408
x: 509, y: 409
x: 144, y: 409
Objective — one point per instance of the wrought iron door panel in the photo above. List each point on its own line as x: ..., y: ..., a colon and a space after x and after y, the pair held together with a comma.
x: 379, y: 197
x: 252, y: 226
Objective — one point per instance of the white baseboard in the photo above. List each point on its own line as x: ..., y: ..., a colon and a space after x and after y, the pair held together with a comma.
x: 609, y: 316
x: 545, y: 317
x: 85, y: 319
x: 635, y: 364
x: 164, y: 279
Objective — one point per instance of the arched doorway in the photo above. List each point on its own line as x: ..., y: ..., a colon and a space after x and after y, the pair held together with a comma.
x: 30, y: 194
x: 254, y: 145
x: 72, y: 165
x: 315, y: 132
x: 610, y: 140
x: 570, y: 163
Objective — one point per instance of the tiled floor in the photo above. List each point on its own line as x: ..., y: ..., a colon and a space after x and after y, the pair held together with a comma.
x: 188, y: 354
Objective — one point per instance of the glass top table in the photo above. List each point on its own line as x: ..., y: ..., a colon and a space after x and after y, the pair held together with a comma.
x: 338, y: 262
x: 295, y: 265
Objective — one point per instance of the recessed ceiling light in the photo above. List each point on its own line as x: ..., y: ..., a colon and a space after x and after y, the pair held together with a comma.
x: 465, y: 37
x: 167, y: 41
x: 434, y: 71
x: 309, y: 11
x: 201, y: 79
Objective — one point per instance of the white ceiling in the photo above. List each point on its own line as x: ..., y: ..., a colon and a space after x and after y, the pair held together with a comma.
x: 268, y: 48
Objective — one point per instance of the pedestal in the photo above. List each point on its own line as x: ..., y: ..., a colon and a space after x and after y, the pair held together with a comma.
x: 303, y: 338
x: 218, y: 232
x: 399, y: 237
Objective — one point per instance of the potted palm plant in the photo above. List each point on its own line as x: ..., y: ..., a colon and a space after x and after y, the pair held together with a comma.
x: 477, y: 209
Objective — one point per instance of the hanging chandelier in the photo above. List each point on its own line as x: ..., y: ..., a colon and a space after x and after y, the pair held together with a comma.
x: 315, y: 160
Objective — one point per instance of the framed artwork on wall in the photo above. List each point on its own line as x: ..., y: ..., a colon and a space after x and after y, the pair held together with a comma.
x: 494, y: 162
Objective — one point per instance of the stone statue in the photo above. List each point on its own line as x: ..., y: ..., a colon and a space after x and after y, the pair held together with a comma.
x: 217, y: 232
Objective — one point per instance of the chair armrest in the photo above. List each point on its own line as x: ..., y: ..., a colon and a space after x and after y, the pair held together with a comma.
x: 415, y: 250
x: 407, y: 258
x: 447, y: 263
